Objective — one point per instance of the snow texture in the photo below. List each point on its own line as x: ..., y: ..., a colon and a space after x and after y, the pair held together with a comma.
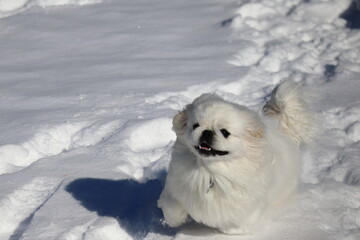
x: 88, y: 92
x: 12, y: 7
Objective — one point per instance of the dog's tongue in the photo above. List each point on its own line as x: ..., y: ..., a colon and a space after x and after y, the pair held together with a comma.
x: 204, y: 146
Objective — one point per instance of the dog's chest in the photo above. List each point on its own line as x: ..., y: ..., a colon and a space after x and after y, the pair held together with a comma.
x: 202, y: 186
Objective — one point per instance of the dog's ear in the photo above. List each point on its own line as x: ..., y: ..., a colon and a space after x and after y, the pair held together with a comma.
x: 179, y: 122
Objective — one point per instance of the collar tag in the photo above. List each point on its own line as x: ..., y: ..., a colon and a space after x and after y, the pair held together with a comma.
x: 211, y: 184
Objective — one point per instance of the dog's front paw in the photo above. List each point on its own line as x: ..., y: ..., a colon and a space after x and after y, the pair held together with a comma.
x: 174, y: 213
x: 174, y: 217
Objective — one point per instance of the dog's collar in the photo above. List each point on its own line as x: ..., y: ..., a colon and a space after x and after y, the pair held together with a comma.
x: 211, y: 184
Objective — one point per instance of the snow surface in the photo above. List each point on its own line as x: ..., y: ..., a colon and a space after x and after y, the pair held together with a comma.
x: 88, y: 92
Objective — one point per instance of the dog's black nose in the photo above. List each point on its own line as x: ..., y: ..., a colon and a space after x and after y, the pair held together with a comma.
x: 206, y: 136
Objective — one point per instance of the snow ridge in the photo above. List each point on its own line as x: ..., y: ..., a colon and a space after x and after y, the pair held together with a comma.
x: 23, y: 203
x: 146, y: 142
x: 12, y: 7
x: 52, y: 141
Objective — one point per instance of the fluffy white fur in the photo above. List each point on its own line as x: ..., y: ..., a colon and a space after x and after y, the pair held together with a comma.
x: 257, y: 166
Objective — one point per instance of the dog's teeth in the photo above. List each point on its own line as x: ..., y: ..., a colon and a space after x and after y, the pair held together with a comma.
x: 205, y: 148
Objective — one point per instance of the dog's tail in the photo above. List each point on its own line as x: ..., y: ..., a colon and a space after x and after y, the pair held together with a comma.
x: 289, y: 106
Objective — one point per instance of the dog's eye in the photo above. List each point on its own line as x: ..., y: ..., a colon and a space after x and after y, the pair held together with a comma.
x: 225, y: 133
x: 196, y: 125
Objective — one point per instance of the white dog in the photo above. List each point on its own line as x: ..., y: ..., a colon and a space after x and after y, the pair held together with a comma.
x: 229, y: 164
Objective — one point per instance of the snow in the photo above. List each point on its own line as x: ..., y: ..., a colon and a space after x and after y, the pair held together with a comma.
x: 36, y: 193
x: 11, y: 7
x: 89, y: 88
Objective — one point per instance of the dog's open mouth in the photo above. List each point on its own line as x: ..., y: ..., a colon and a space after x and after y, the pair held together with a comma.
x: 205, y: 149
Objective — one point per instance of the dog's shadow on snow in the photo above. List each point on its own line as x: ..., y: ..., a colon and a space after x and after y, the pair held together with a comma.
x: 133, y: 204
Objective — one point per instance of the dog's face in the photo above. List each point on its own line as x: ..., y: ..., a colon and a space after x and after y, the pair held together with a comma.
x: 215, y: 129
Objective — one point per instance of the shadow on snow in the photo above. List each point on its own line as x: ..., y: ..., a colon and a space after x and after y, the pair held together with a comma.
x: 352, y: 15
x: 133, y: 204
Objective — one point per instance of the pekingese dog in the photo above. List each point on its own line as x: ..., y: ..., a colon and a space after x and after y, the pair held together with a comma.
x: 229, y: 163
